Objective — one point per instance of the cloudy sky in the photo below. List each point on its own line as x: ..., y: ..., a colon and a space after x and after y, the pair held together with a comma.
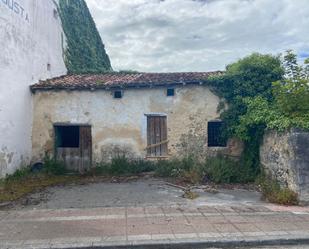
x: 198, y: 35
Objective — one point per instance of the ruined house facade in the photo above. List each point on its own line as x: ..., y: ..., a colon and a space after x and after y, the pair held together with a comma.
x: 91, y: 118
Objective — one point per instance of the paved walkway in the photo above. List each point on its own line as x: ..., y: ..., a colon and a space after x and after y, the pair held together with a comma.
x: 209, y: 225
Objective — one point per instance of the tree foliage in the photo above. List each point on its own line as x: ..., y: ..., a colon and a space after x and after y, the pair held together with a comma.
x: 85, y: 51
x: 245, y: 79
x: 292, y: 93
x: 290, y: 104
x: 249, y: 77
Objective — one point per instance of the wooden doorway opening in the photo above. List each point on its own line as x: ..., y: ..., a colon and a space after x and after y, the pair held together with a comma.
x: 157, y: 143
x: 73, y: 146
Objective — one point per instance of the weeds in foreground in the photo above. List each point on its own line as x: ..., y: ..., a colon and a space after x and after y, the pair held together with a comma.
x: 18, y: 175
x: 222, y: 169
x: 123, y: 166
x: 273, y: 192
x: 15, y: 189
x: 218, y: 170
x: 24, y: 181
x: 53, y: 167
x: 190, y: 195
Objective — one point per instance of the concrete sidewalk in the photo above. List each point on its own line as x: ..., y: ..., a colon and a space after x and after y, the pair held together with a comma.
x: 179, y: 226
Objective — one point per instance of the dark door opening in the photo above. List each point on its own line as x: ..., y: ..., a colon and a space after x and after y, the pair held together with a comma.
x: 73, y: 146
x: 215, y: 136
x: 67, y: 136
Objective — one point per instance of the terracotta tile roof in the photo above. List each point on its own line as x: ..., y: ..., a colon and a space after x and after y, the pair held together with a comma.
x: 121, y: 80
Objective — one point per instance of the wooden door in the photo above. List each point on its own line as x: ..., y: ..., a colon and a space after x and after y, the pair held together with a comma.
x: 74, y: 147
x: 85, y: 145
x: 69, y: 156
x: 157, y: 136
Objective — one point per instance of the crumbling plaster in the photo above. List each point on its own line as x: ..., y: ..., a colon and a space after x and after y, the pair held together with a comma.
x: 31, y: 37
x: 120, y: 125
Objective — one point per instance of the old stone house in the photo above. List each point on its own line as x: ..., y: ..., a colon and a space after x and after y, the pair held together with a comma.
x: 83, y: 119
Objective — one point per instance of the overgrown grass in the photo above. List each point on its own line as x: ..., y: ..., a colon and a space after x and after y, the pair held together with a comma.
x: 24, y: 181
x: 217, y: 169
x: 18, y: 175
x: 123, y: 166
x: 186, y: 168
x: 225, y: 170
x: 53, y: 167
x: 11, y: 190
x: 273, y: 192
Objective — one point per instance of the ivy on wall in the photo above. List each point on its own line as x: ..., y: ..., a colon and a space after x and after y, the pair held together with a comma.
x: 85, y: 51
x: 247, y: 78
x: 263, y: 92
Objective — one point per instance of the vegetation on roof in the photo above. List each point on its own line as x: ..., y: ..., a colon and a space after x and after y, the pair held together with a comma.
x: 85, y: 51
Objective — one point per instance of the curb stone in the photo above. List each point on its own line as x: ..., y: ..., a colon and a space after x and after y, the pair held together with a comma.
x: 168, y: 244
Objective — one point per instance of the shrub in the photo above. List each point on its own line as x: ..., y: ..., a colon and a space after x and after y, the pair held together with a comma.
x: 53, y: 167
x: 141, y: 166
x: 273, y: 192
x: 221, y: 169
x: 218, y: 169
x: 18, y: 174
x: 287, y: 197
x: 121, y: 165
x: 187, y: 168
x: 100, y: 169
x: 193, y: 176
x: 168, y: 168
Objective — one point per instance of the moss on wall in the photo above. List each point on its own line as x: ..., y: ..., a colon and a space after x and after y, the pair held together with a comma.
x: 85, y: 51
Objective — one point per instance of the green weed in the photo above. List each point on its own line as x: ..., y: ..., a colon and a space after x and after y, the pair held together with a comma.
x: 121, y: 165
x: 273, y: 192
x: 222, y: 169
x: 18, y: 174
x: 53, y: 167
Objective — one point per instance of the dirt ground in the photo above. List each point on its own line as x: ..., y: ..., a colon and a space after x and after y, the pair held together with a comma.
x: 138, y: 192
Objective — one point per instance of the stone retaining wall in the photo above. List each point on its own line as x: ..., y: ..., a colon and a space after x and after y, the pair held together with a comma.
x: 285, y: 156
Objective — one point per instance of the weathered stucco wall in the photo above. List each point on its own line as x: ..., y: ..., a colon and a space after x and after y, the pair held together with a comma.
x: 285, y: 156
x: 31, y: 41
x: 121, y: 124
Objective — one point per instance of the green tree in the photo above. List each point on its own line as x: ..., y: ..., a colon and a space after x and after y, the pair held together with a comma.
x: 306, y: 62
x: 289, y: 106
x: 292, y: 69
x: 247, y: 78
x: 292, y: 93
x: 85, y: 51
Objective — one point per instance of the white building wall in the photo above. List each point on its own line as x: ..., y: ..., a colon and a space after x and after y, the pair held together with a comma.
x: 31, y: 48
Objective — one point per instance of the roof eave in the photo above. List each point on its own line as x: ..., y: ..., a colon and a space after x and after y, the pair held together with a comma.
x: 35, y: 88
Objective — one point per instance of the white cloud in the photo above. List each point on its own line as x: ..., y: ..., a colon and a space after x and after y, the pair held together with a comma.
x: 200, y: 35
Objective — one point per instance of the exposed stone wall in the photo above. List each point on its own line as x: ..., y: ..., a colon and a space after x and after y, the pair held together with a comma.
x: 120, y: 125
x: 285, y: 156
x: 31, y: 43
